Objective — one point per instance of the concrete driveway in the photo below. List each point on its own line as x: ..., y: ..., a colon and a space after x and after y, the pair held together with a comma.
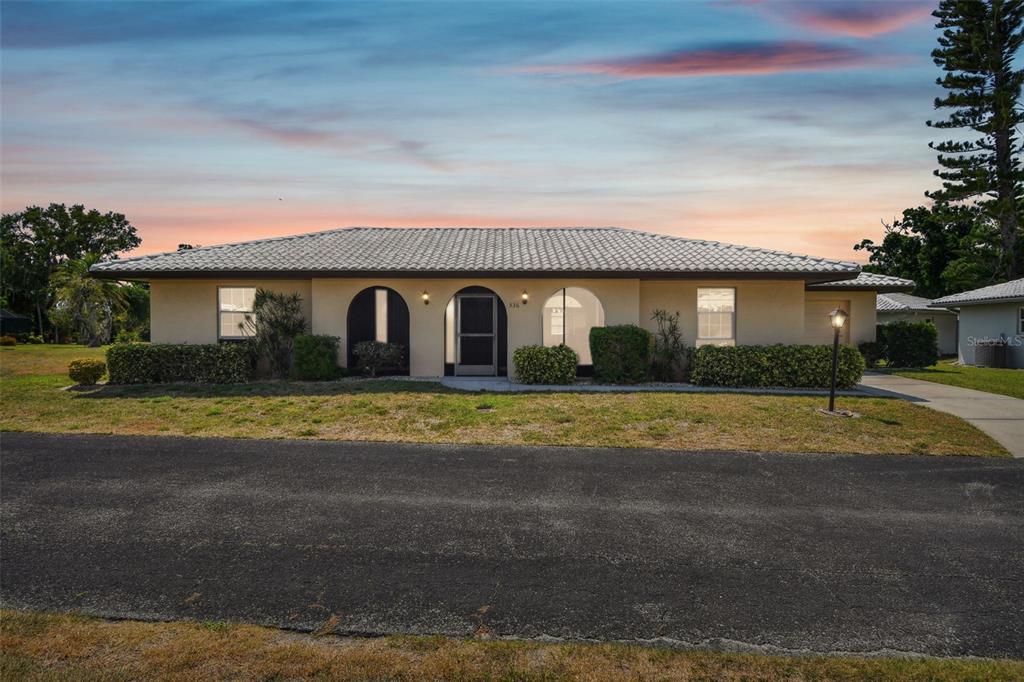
x: 823, y: 553
x: 1000, y: 416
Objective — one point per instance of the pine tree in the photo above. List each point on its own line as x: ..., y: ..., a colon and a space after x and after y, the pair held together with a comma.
x: 976, y: 50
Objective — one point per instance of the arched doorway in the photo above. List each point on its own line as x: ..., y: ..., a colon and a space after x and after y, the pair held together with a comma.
x: 475, y: 334
x: 378, y: 314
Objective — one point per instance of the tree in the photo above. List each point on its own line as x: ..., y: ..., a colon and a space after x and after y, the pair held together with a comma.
x: 35, y: 242
x: 943, y: 248
x: 979, y: 42
x: 85, y: 304
x: 275, y: 321
x: 132, y: 323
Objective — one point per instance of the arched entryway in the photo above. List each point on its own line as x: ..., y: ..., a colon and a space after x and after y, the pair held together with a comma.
x: 378, y: 314
x: 475, y: 334
x: 567, y: 317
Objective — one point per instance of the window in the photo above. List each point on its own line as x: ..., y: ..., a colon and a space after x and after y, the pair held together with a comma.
x: 716, y: 317
x: 568, y: 316
x: 380, y: 302
x: 233, y: 305
x: 1020, y: 320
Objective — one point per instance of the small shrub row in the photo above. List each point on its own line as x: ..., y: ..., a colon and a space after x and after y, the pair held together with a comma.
x: 781, y: 366
x: 622, y: 353
x: 315, y: 357
x: 8, y: 341
x: 139, y: 363
x: 904, y: 344
x: 86, y: 371
x: 545, y: 364
x: 374, y: 357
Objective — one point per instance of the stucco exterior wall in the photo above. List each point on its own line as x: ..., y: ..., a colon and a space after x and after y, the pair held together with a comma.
x: 862, y: 313
x: 945, y: 324
x: 331, y: 298
x: 185, y: 310
x: 990, y: 321
x: 767, y: 311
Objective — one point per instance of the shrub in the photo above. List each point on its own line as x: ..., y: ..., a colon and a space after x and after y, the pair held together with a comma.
x: 622, y: 353
x: 33, y: 338
x: 315, y: 357
x: 779, y: 366
x: 127, y: 336
x: 873, y: 352
x: 670, y: 359
x: 8, y: 341
x: 545, y: 364
x: 86, y: 371
x: 909, y: 344
x: 374, y: 356
x: 274, y: 323
x: 140, y: 363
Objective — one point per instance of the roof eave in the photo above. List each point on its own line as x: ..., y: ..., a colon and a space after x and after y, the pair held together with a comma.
x: 986, y: 301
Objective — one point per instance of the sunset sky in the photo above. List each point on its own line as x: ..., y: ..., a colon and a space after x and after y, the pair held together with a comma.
x: 788, y: 125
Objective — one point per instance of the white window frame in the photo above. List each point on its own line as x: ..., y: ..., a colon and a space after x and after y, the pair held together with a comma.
x: 1020, y: 321
x: 717, y: 340
x: 220, y: 314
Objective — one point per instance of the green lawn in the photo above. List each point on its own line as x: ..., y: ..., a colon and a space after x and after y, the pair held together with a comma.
x: 67, y: 647
x: 1003, y: 381
x: 32, y: 399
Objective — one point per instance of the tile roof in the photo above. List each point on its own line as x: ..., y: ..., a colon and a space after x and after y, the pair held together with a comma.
x: 1007, y: 291
x: 491, y: 250
x: 868, y: 281
x: 897, y: 303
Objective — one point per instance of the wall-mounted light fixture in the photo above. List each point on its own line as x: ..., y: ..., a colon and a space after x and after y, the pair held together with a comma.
x: 525, y: 297
x: 426, y: 298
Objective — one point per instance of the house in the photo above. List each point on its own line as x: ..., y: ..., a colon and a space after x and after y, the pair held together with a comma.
x: 989, y: 315
x: 12, y: 323
x: 900, y: 307
x: 461, y: 300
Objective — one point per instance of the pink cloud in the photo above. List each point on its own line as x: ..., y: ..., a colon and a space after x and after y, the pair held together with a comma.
x: 856, y: 19
x: 732, y: 60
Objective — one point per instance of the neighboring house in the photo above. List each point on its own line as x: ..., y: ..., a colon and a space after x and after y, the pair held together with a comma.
x: 463, y: 299
x: 857, y: 297
x: 993, y: 313
x: 898, y: 307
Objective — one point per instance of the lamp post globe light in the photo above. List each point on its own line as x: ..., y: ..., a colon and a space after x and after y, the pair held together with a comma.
x: 838, y: 318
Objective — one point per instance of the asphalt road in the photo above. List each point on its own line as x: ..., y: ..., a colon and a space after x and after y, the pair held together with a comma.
x: 722, y: 550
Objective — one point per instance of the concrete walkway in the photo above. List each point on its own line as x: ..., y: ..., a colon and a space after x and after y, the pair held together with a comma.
x: 1000, y: 416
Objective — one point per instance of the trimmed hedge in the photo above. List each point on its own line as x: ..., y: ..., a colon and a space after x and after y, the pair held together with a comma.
x: 315, y: 357
x: 142, y: 363
x: 86, y: 371
x: 909, y: 344
x: 8, y: 341
x: 775, y: 366
x: 622, y: 353
x: 545, y: 364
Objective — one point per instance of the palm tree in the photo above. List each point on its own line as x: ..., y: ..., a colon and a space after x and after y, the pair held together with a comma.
x: 84, y: 303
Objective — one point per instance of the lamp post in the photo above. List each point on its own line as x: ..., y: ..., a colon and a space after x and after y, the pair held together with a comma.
x: 838, y: 317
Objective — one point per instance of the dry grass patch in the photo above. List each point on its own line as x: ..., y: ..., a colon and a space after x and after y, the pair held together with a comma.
x: 65, y: 647
x: 428, y: 413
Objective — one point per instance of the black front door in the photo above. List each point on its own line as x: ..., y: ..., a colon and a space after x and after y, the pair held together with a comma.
x: 476, y: 324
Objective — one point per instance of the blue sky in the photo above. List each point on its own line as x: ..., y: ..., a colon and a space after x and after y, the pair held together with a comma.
x: 792, y: 125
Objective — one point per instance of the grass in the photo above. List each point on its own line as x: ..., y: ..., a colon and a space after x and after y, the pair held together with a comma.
x: 37, y: 646
x: 31, y: 400
x: 1002, y: 381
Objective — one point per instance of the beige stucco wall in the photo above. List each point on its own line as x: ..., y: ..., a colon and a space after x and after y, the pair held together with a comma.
x: 767, y: 311
x: 862, y: 313
x: 185, y: 310
x: 331, y: 298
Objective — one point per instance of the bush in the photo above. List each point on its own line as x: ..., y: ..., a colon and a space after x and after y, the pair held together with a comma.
x: 8, y: 341
x: 374, y: 356
x: 545, y: 364
x: 140, y: 363
x: 622, y: 353
x: 86, y: 371
x: 873, y: 352
x: 274, y: 323
x: 909, y: 344
x: 671, y: 359
x: 127, y: 336
x: 33, y: 338
x: 315, y: 357
x: 775, y: 366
